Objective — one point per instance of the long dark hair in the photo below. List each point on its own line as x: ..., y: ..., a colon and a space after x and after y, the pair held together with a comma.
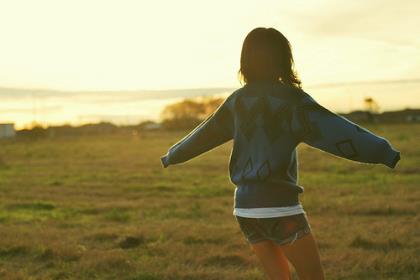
x: 267, y: 56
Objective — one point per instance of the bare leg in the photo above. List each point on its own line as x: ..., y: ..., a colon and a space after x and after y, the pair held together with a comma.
x: 304, y: 255
x: 274, y: 261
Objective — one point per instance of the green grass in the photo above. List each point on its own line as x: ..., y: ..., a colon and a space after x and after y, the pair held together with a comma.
x: 102, y: 207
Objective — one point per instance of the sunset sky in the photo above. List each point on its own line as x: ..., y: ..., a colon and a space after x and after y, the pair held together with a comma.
x: 122, y: 44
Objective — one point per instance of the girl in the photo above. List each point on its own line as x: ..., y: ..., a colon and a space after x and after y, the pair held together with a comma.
x: 267, y: 118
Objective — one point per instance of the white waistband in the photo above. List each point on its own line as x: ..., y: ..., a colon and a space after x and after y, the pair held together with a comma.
x: 269, y: 212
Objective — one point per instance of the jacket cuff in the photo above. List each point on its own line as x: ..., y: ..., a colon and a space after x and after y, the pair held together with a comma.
x: 165, y: 160
x: 392, y: 158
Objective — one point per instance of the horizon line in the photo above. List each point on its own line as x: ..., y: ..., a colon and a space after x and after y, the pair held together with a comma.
x: 46, y: 125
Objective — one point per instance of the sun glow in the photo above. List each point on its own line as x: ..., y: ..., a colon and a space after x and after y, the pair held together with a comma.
x: 85, y: 45
x: 126, y: 44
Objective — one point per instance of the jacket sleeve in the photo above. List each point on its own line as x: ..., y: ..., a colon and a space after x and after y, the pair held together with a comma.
x: 318, y: 127
x: 215, y: 130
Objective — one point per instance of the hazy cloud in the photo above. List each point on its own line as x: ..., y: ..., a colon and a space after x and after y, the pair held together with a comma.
x: 394, y: 22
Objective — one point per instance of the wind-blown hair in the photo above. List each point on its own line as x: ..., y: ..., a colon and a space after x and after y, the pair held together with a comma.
x: 267, y: 56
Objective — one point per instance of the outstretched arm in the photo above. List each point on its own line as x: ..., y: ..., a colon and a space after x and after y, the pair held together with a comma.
x: 215, y: 130
x: 316, y: 126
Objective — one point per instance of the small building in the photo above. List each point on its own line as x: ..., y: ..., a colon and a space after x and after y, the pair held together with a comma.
x: 7, y: 130
x: 149, y: 125
x: 152, y: 126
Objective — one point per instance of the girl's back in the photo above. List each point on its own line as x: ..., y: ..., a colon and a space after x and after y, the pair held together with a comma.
x: 267, y: 119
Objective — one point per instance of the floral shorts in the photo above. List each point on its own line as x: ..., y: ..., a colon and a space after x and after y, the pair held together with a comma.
x: 281, y: 230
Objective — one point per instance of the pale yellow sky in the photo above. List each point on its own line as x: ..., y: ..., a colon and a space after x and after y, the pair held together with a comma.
x: 123, y: 44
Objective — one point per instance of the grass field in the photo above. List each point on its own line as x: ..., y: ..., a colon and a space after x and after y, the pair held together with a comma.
x: 102, y: 207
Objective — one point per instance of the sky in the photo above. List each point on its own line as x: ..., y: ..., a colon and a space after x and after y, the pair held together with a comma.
x: 124, y: 44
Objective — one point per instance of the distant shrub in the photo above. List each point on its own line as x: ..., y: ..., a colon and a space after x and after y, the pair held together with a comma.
x: 189, y: 112
x: 68, y: 130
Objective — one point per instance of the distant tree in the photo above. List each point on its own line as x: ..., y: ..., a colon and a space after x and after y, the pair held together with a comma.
x: 188, y: 112
x: 371, y: 108
x: 371, y: 105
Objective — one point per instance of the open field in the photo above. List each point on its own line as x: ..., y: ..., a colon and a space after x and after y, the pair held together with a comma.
x: 102, y: 207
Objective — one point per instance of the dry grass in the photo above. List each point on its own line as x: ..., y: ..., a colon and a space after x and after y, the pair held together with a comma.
x: 104, y: 208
